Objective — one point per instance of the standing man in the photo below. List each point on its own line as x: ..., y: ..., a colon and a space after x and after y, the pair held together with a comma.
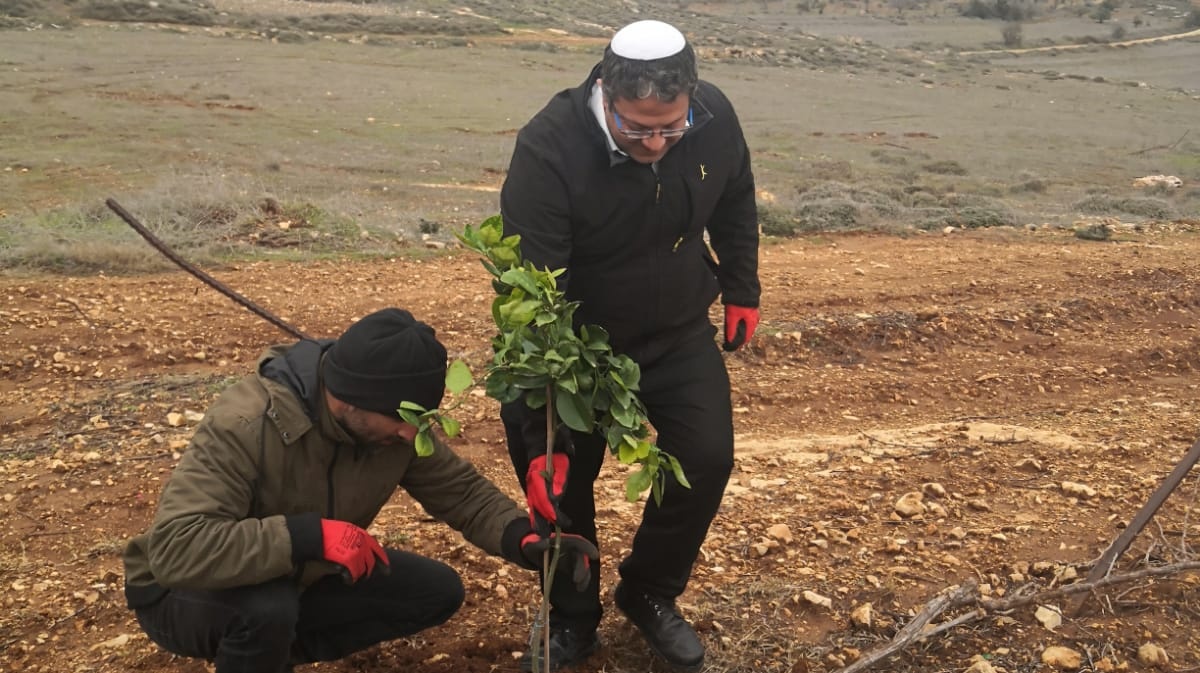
x: 618, y: 181
x: 258, y: 558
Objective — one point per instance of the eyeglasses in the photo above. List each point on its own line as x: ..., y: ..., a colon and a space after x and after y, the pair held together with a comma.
x: 643, y: 134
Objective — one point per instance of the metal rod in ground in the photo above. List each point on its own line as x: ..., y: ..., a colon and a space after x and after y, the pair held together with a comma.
x: 204, y: 277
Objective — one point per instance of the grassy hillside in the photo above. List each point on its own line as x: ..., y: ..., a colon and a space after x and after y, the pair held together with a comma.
x: 262, y: 128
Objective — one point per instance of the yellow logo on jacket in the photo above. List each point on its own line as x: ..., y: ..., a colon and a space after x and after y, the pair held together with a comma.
x: 703, y: 172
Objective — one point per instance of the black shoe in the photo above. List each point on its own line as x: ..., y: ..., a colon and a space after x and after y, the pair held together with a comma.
x: 669, y: 634
x: 568, y: 646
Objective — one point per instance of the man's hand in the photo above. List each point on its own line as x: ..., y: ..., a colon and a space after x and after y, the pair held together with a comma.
x: 740, y: 323
x: 543, y: 492
x: 352, y: 548
x: 576, y: 551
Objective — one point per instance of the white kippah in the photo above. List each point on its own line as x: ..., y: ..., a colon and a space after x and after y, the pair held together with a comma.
x: 648, y: 41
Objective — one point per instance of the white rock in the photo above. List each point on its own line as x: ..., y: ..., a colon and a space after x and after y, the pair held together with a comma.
x: 175, y: 419
x: 1050, y: 617
x: 934, y: 490
x: 192, y: 416
x: 1078, y: 490
x: 818, y: 600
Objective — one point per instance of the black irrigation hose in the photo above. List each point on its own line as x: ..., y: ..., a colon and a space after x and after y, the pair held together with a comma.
x: 207, y: 279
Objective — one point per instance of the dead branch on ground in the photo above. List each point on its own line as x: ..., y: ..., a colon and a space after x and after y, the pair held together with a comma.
x: 918, y: 628
x: 1161, y: 147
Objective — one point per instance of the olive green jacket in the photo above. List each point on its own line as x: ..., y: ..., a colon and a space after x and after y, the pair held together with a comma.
x: 268, y: 449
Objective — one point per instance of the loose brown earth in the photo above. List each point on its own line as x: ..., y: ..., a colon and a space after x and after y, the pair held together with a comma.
x: 998, y: 364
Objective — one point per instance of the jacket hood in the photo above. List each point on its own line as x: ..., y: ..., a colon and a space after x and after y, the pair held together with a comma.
x: 298, y: 367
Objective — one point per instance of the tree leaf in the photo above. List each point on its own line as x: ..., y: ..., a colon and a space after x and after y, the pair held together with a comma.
x: 636, y: 483
x: 423, y: 443
x: 458, y: 377
x: 450, y: 426
x: 677, y: 470
x: 573, y: 412
x: 410, y: 417
x: 522, y: 279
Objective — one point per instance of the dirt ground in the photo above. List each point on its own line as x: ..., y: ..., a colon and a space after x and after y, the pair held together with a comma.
x: 1034, y: 387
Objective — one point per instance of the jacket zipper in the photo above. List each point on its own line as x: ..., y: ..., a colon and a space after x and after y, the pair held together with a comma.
x: 329, y: 482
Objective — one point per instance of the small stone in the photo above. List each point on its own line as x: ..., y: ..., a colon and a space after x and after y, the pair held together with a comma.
x: 818, y: 600
x: 781, y: 532
x: 861, y: 616
x: 910, y: 505
x: 175, y: 419
x: 1029, y: 465
x: 1062, y: 658
x: 1078, y: 490
x: 934, y: 489
x: 1050, y: 617
x: 979, y: 505
x: 980, y: 665
x: 1153, y: 655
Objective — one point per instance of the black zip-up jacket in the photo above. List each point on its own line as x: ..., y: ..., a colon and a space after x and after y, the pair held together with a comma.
x: 631, y: 236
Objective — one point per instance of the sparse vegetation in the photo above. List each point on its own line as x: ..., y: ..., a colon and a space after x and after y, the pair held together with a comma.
x: 187, y: 12
x: 1029, y: 183
x: 1011, y: 33
x: 1103, y: 11
x: 945, y: 167
x: 204, y: 226
x: 1147, y: 207
x: 1005, y: 10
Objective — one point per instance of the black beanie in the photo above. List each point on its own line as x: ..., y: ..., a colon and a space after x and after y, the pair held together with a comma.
x: 384, y: 359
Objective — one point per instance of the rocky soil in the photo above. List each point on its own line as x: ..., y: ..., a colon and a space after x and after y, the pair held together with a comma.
x: 914, y: 413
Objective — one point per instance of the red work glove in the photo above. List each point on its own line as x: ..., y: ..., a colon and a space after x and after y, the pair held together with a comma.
x: 739, y: 325
x: 543, y: 493
x: 352, y: 548
x: 576, y: 551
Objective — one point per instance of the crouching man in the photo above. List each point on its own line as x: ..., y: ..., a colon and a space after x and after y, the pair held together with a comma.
x: 258, y: 558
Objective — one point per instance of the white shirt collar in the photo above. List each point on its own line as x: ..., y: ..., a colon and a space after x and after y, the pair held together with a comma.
x: 596, y: 103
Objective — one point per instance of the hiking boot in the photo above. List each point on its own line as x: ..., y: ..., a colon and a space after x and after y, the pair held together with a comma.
x: 668, y: 634
x: 569, y: 646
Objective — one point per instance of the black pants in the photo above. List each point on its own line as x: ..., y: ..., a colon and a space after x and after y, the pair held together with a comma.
x: 686, y: 394
x: 268, y: 628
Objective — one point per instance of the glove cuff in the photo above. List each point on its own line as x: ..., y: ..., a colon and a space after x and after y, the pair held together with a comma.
x: 307, y: 539
x: 510, y: 542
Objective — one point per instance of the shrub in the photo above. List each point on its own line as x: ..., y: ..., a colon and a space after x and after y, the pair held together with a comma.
x: 1007, y: 10
x: 838, y: 191
x: 1030, y: 184
x: 20, y: 8
x: 969, y: 217
x: 776, y: 221
x: 1011, y: 34
x: 192, y: 13
x: 945, y: 167
x: 1103, y: 11
x: 888, y: 157
x: 1103, y: 204
x: 828, y: 215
